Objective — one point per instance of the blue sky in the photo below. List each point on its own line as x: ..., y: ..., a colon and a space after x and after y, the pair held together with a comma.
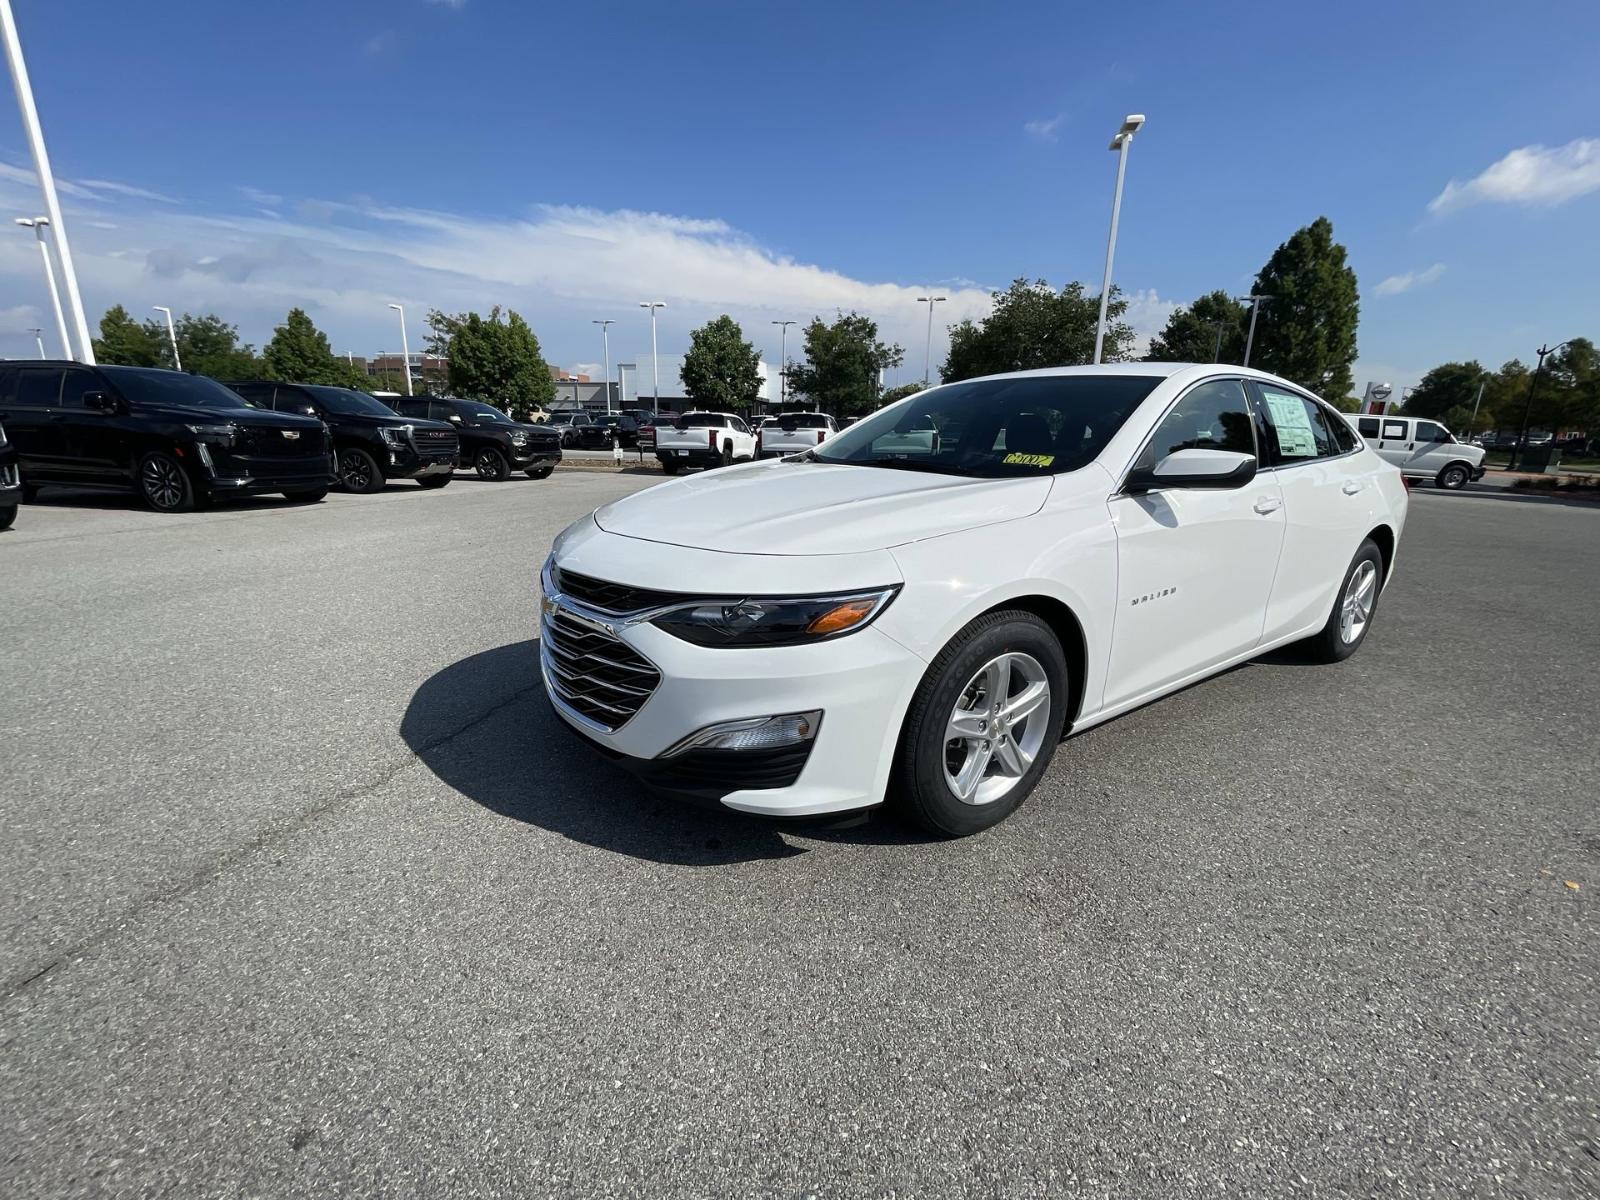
x: 781, y: 161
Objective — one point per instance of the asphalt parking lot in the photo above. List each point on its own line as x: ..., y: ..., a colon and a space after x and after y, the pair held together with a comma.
x: 306, y: 893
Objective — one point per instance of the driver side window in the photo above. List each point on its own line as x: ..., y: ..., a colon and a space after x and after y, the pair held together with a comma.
x: 1211, y: 416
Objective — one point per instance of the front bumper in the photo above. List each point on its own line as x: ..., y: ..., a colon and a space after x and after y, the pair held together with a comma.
x: 534, y: 455
x: 1477, y: 472
x: 408, y: 464
x: 232, y: 474
x: 862, y: 684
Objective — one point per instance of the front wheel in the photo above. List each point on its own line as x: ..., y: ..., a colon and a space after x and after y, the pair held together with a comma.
x: 359, y: 471
x: 1454, y: 477
x: 983, y: 725
x: 8, y: 514
x: 1354, y: 608
x: 163, y: 485
x: 492, y: 465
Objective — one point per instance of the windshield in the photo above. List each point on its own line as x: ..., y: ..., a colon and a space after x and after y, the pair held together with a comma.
x: 148, y: 385
x: 349, y: 403
x: 802, y: 421
x: 700, y: 421
x: 995, y: 428
x: 482, y: 412
x: 612, y: 420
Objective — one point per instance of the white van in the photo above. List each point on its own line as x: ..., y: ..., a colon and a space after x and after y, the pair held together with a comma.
x: 1421, y: 449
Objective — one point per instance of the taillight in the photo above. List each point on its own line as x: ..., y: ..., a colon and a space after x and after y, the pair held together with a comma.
x: 711, y: 438
x: 821, y: 433
x: 1405, y: 482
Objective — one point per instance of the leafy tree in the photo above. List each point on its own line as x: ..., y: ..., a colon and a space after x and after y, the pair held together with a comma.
x: 1192, y: 334
x: 900, y: 392
x: 1031, y: 326
x: 494, y: 359
x: 208, y: 345
x: 299, y: 353
x: 1504, y: 396
x: 1307, y: 331
x: 1569, y: 393
x: 721, y: 370
x: 1448, y: 386
x: 843, y: 359
x: 124, y: 342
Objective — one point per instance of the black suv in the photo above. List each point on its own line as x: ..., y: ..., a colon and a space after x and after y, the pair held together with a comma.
x: 491, y: 443
x: 371, y: 442
x: 625, y: 426
x: 174, y: 440
x: 10, y: 481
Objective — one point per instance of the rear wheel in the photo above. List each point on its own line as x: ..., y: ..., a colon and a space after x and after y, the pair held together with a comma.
x: 1354, y: 608
x: 726, y: 456
x: 1454, y: 476
x: 433, y: 481
x: 669, y: 466
x: 163, y: 485
x: 359, y: 471
x: 491, y: 465
x: 983, y: 725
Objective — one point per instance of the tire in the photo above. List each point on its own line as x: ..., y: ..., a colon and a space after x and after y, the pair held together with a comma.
x: 8, y: 514
x: 1339, y: 638
x: 310, y: 496
x: 491, y: 465
x: 433, y: 481
x: 726, y: 457
x: 931, y: 769
x: 669, y: 466
x: 164, y: 485
x: 359, y: 472
x: 543, y: 472
x: 1454, y: 477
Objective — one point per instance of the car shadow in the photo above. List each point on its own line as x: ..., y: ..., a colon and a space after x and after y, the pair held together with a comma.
x: 484, y: 727
x: 53, y: 496
x: 1558, y: 496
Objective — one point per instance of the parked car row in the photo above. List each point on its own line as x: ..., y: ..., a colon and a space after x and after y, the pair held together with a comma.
x: 179, y: 441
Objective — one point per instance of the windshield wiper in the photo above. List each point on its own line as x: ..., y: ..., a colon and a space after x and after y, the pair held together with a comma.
x: 907, y: 464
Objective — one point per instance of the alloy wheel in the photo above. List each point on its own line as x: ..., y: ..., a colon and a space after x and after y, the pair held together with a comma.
x: 1356, y: 608
x: 354, y: 471
x: 1454, y: 477
x: 163, y: 482
x: 997, y: 728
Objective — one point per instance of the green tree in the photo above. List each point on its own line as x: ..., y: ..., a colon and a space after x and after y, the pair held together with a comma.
x: 124, y: 342
x: 208, y: 345
x: 299, y: 353
x: 1030, y: 326
x: 843, y: 359
x: 1307, y: 331
x: 495, y: 359
x: 1448, y: 386
x: 1569, y: 393
x: 721, y: 372
x: 1192, y: 334
x: 900, y: 392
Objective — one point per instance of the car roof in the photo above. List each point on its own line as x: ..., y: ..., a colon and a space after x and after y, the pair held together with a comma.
x: 1147, y: 370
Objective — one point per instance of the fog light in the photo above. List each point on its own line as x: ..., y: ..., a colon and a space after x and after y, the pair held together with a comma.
x: 753, y: 733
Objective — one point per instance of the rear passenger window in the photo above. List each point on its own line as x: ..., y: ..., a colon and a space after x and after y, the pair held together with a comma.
x: 1297, y: 426
x: 1344, y: 438
x: 38, y: 389
x: 1211, y: 416
x: 1368, y: 426
x: 1394, y: 431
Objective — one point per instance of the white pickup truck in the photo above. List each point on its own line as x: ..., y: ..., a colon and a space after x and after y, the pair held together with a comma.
x: 792, y: 433
x: 703, y: 439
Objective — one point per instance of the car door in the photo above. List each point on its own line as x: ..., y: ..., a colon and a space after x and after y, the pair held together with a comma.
x: 1395, y: 444
x: 33, y: 423
x: 99, y: 444
x: 1194, y: 565
x: 1434, y: 448
x: 1328, y: 496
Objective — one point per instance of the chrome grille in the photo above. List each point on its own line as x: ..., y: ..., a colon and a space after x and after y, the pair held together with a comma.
x: 258, y: 441
x: 435, y: 443
x: 603, y: 680
x: 611, y: 597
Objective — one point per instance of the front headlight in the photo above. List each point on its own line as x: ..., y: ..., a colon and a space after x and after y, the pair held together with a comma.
x: 519, y: 439
x: 775, y: 621
x: 396, y: 435
x: 212, y: 433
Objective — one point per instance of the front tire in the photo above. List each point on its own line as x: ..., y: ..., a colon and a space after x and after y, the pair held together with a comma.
x: 1454, y: 477
x: 1353, y: 609
x: 164, y: 485
x: 359, y: 472
x: 983, y: 725
x: 492, y: 465
x: 8, y: 514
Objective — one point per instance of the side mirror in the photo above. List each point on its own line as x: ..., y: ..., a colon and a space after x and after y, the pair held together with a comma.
x: 102, y: 402
x: 1196, y: 469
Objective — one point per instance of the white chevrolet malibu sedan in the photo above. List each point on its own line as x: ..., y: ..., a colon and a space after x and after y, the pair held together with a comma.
x: 922, y: 607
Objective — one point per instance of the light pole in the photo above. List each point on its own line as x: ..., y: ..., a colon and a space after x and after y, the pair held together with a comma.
x: 605, y: 342
x: 927, y: 351
x: 1473, y: 424
x: 783, y: 360
x: 405, y: 346
x: 1120, y: 143
x: 172, y: 335
x: 38, y: 337
x: 1216, y: 351
x: 577, y: 402
x: 47, y: 179
x: 655, y: 361
x: 1520, y: 450
x: 38, y: 224
x: 1255, y: 303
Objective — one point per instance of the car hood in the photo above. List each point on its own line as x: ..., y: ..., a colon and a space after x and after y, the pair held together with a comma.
x: 204, y: 415
x: 816, y: 508
x: 372, y: 420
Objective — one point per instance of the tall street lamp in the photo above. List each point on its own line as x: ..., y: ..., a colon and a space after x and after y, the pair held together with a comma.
x: 172, y: 335
x: 1216, y: 351
x: 927, y: 351
x: 38, y: 338
x: 605, y: 342
x: 655, y: 361
x: 783, y: 360
x: 1120, y: 143
x: 1520, y: 450
x: 38, y: 225
x: 1255, y: 303
x: 405, y: 346
x: 47, y: 179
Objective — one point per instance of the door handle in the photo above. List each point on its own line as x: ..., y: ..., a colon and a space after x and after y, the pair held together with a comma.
x: 1351, y: 487
x: 1268, y: 504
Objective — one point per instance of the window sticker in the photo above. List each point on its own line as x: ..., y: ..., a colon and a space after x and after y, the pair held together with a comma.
x: 1028, y: 460
x: 1293, y: 423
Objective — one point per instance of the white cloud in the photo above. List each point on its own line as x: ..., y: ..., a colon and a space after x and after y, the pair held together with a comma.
x: 455, y: 4
x: 380, y: 43
x: 1534, y: 175
x: 1045, y: 129
x: 1147, y: 313
x: 125, y: 189
x: 1395, y: 284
